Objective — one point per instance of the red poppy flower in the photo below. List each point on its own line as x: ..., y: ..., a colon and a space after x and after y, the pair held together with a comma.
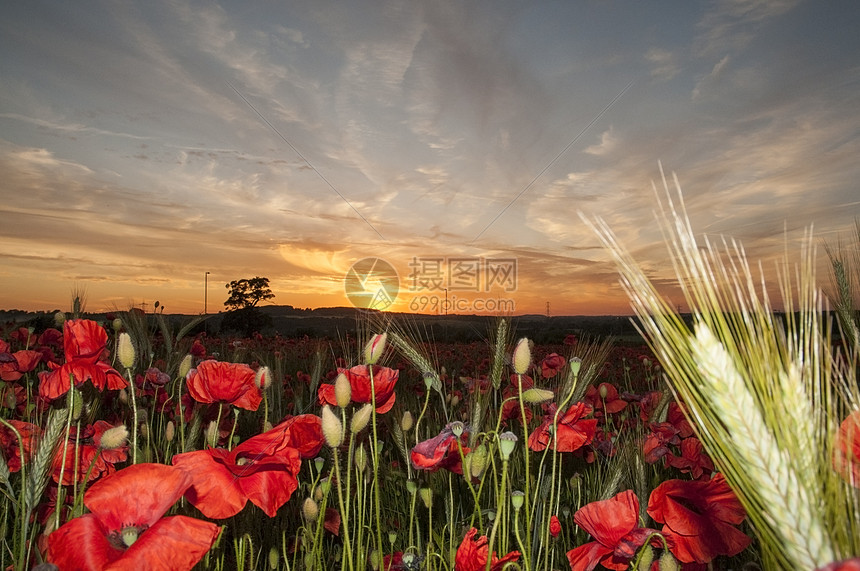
x: 614, y: 525
x: 511, y: 406
x: 440, y: 451
x: 331, y: 521
x: 262, y: 469
x: 657, y: 441
x: 11, y: 447
x: 304, y: 433
x: 84, y: 344
x: 605, y: 397
x: 693, y: 459
x: 846, y: 449
x: 125, y: 528
x: 472, y: 554
x: 554, y: 526
x: 676, y: 416
x: 384, y: 380
x: 844, y: 565
x: 551, y: 365
x: 14, y: 365
x: 231, y: 383
x: 85, y: 453
x: 573, y: 430
x: 699, y: 518
x: 392, y: 561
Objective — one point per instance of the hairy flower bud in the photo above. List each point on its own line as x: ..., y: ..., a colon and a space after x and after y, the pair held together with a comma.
x: 374, y: 348
x: 426, y: 495
x: 212, y: 434
x: 263, y: 378
x: 537, y: 396
x: 406, y: 422
x: 342, y: 390
x: 477, y: 461
x: 310, y: 509
x: 522, y: 356
x: 125, y: 350
x: 170, y: 431
x: 114, y: 438
x: 360, y: 458
x: 332, y: 428
x: 361, y: 417
x: 185, y: 366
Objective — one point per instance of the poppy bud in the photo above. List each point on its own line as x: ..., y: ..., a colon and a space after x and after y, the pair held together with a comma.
x: 263, y: 378
x: 185, y: 366
x: 555, y: 527
x: 426, y: 495
x: 374, y: 560
x: 59, y: 318
x: 522, y: 356
x: 331, y: 427
x: 310, y: 509
x: 536, y: 396
x: 125, y: 350
x: 169, y: 431
x: 342, y: 390
x: 374, y: 348
x: 361, y: 459
x: 361, y: 418
x: 212, y: 434
x: 668, y: 562
x: 274, y: 558
x: 477, y: 461
x: 116, y: 324
x: 603, y: 390
x: 406, y: 422
x: 114, y: 438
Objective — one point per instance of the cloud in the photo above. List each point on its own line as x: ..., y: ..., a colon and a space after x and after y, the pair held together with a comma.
x: 608, y: 143
x: 663, y: 63
x: 711, y: 78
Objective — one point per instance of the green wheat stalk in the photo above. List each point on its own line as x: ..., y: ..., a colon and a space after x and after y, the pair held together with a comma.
x: 765, y: 393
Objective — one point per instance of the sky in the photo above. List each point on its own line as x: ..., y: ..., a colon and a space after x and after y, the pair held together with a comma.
x: 144, y: 144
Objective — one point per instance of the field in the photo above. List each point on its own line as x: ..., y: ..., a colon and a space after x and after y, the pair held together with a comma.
x: 253, y: 414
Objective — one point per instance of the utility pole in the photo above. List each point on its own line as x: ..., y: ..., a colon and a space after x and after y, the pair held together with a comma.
x: 205, y: 293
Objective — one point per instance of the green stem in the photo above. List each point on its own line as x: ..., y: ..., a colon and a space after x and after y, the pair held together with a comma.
x: 500, y: 508
x: 134, y: 415
x: 375, y: 450
x: 347, y: 547
x: 527, y: 488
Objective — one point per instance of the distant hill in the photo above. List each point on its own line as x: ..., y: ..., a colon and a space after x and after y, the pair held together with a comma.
x: 336, y: 322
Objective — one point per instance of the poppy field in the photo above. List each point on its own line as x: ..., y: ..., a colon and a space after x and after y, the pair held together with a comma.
x: 132, y: 446
x: 728, y: 440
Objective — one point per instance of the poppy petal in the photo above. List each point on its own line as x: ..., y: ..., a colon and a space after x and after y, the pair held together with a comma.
x: 138, y: 494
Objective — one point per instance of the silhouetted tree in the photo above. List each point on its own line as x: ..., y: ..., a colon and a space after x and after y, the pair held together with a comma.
x: 247, y: 293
